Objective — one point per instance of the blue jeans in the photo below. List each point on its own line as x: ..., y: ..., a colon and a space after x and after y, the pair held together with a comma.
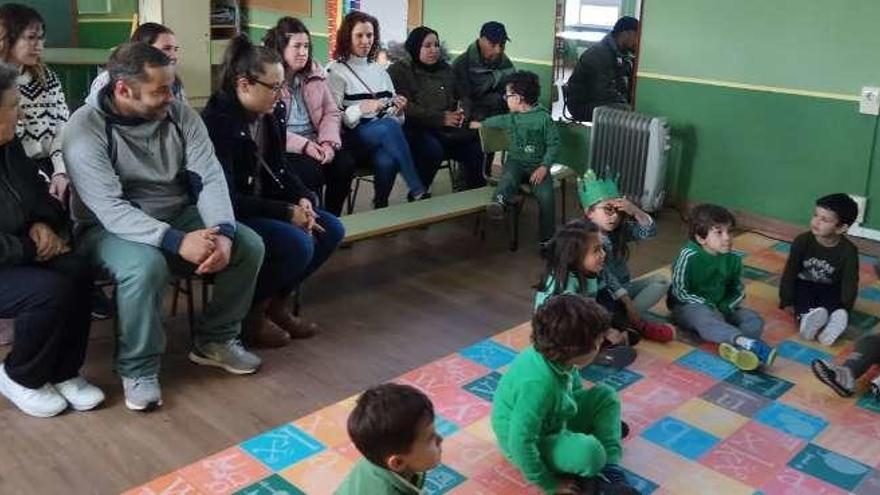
x: 383, y: 139
x: 712, y: 326
x: 431, y: 146
x: 291, y: 253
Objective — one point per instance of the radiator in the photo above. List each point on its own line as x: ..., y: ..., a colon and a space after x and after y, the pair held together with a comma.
x: 631, y: 148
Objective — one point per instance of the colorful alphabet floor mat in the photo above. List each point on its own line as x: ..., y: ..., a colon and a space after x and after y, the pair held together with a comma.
x: 698, y: 426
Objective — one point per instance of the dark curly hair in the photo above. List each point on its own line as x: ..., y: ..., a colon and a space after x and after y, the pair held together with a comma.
x: 343, y: 36
x: 526, y: 85
x: 278, y: 37
x: 568, y: 326
x: 706, y: 216
x: 387, y: 419
x: 566, y: 252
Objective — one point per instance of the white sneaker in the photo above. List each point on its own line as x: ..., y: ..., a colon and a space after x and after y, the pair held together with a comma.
x: 80, y: 394
x: 837, y: 323
x: 812, y: 321
x: 43, y: 402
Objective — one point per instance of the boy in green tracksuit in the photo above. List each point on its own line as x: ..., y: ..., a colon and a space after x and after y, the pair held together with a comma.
x: 392, y: 425
x: 707, y: 291
x: 562, y: 437
x: 534, y: 146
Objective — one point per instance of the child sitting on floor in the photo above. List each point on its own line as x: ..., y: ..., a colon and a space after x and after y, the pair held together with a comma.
x: 561, y: 436
x: 576, y: 255
x: 621, y: 222
x: 842, y: 379
x: 534, y: 144
x: 392, y: 425
x: 821, y: 275
x: 707, y: 291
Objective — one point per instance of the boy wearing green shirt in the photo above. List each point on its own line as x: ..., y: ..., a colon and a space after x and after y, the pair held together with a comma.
x: 534, y: 146
x: 392, y: 425
x: 707, y: 291
x: 562, y: 437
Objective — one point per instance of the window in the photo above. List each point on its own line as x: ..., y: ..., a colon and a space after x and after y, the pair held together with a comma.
x: 597, y: 15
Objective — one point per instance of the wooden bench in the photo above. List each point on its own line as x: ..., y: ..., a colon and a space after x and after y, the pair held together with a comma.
x: 396, y: 218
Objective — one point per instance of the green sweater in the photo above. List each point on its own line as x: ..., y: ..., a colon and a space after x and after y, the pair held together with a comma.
x: 367, y: 478
x: 572, y: 286
x: 534, y: 138
x: 711, y: 279
x: 534, y: 399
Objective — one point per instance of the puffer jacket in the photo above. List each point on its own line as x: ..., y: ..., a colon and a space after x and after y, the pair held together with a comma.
x: 321, y: 107
x: 430, y: 93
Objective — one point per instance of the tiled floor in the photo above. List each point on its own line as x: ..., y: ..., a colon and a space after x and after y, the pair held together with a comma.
x: 698, y: 426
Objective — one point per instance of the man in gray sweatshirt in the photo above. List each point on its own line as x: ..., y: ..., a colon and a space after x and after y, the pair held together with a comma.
x: 150, y: 200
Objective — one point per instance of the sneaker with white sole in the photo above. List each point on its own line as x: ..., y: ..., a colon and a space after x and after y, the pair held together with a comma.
x: 230, y: 355
x: 837, y: 323
x: 142, y: 393
x: 812, y: 321
x: 43, y: 402
x: 80, y: 394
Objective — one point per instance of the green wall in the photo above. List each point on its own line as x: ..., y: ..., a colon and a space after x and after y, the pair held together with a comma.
x: 792, y: 133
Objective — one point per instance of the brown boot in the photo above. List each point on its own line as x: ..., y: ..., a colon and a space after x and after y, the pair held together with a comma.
x: 258, y: 331
x: 296, y: 327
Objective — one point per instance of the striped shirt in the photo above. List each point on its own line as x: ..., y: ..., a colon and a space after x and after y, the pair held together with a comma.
x: 356, y: 80
x: 702, y: 278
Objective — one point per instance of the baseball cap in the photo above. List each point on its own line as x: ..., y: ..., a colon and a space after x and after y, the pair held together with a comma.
x: 494, y: 31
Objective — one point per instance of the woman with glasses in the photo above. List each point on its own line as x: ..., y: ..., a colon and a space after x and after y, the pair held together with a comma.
x: 43, y: 109
x: 434, y: 117
x: 157, y: 36
x: 371, y: 109
x: 266, y: 192
x: 310, y: 115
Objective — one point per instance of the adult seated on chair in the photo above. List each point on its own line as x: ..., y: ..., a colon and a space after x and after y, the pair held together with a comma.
x: 158, y: 36
x: 43, y: 286
x: 309, y: 112
x: 482, y: 71
x: 372, y: 111
x: 603, y: 74
x: 434, y: 116
x: 150, y: 198
x: 266, y: 192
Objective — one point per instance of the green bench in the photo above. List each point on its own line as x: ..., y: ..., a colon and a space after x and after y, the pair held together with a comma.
x: 395, y: 218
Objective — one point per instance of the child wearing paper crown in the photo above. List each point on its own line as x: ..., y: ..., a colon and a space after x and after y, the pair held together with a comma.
x: 622, y: 222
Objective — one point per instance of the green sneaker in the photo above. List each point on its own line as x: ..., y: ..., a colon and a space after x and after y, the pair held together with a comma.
x: 230, y: 355
x: 741, y: 358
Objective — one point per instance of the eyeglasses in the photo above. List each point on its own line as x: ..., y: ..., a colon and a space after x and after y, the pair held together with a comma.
x: 275, y: 88
x: 509, y: 95
x: 610, y: 210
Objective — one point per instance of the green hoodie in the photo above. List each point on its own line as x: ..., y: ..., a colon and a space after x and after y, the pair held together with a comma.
x: 534, y: 399
x: 703, y: 278
x: 534, y: 138
x: 367, y: 478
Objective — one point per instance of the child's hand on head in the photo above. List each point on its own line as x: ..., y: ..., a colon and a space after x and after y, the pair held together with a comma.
x: 626, y: 206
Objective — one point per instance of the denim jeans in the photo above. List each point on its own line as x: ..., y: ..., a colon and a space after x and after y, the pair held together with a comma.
x: 386, y: 144
x: 430, y: 147
x: 291, y: 253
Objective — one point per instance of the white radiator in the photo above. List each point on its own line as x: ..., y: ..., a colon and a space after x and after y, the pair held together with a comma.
x: 631, y: 148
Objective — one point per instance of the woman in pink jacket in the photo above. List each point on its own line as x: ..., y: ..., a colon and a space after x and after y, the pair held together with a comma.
x: 311, y: 117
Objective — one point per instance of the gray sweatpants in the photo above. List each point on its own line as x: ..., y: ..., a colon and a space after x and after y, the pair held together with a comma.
x: 712, y: 326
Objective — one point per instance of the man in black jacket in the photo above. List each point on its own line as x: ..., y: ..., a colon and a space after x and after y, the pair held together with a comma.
x: 43, y: 286
x: 604, y: 73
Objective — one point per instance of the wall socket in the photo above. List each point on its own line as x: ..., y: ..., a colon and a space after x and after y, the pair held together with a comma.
x: 869, y: 101
x: 862, y: 203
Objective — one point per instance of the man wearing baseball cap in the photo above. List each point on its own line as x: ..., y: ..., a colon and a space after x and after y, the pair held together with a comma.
x: 603, y: 74
x: 481, y: 73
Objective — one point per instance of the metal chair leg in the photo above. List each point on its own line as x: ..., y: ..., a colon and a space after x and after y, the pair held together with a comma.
x: 190, y: 309
x: 174, y: 297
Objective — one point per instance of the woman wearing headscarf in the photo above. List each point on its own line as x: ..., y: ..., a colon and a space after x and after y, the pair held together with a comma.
x: 434, y: 118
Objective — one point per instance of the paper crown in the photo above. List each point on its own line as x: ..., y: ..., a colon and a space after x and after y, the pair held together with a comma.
x: 592, y: 190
